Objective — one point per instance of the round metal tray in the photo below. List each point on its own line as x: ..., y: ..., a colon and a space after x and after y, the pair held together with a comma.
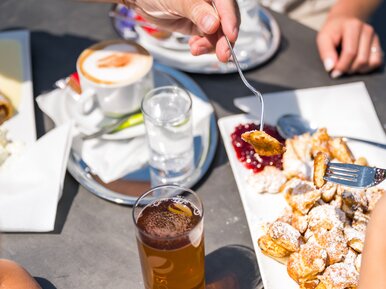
x: 249, y: 57
x: 126, y: 190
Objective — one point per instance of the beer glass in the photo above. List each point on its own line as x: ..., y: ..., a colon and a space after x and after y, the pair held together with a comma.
x: 170, y: 238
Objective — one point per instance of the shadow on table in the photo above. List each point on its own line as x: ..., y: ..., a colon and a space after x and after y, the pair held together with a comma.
x: 70, y: 190
x: 232, y: 267
x: 44, y: 283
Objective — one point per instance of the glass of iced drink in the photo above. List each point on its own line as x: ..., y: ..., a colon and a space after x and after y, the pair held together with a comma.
x: 170, y: 238
x: 168, y: 118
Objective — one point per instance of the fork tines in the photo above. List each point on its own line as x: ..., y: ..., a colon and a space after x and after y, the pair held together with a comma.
x: 350, y: 175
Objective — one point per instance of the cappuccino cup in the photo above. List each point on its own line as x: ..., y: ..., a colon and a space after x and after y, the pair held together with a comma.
x: 114, y: 75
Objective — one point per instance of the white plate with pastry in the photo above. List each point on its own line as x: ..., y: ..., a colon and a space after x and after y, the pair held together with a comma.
x: 16, y: 85
x: 344, y: 110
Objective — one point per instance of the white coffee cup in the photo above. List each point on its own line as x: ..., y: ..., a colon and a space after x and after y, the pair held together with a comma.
x: 115, y: 75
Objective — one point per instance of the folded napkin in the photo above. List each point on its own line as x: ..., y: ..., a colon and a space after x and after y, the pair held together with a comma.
x: 31, y: 184
x: 110, y: 159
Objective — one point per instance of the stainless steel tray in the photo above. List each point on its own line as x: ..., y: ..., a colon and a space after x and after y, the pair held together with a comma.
x: 249, y: 57
x: 126, y: 190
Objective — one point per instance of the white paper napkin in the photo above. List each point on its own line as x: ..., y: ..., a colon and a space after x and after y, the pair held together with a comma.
x: 111, y: 159
x: 31, y: 184
x: 335, y: 104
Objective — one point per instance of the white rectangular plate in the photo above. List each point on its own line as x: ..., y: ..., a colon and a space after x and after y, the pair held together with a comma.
x: 343, y: 110
x: 22, y: 126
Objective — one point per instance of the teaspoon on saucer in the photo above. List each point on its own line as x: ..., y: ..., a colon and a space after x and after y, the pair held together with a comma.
x: 120, y: 124
x: 290, y: 125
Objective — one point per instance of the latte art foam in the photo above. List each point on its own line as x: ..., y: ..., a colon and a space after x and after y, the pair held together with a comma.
x: 115, y: 63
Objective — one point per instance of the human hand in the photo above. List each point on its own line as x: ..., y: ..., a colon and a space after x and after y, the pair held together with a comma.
x: 361, y: 51
x: 197, y: 18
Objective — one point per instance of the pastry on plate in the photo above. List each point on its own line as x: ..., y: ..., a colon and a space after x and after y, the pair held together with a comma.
x: 340, y: 151
x: 302, y: 196
x: 320, y: 167
x: 334, y: 243
x: 6, y: 109
x: 263, y: 143
x: 326, y: 217
x: 339, y: 276
x: 285, y: 235
x: 320, y: 143
x: 355, y: 239
x: 270, y: 248
x: 306, y: 264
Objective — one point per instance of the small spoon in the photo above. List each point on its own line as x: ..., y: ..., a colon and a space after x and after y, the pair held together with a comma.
x: 290, y: 125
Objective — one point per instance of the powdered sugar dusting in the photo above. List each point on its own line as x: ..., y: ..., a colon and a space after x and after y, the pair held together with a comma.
x: 326, y: 217
x: 268, y: 181
x: 287, y: 235
x: 340, y: 276
x: 334, y: 243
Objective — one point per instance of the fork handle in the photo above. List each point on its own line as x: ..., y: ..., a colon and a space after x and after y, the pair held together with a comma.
x: 373, y: 143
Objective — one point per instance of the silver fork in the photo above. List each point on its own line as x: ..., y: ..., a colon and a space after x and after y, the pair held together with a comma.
x: 247, y: 84
x: 354, y: 175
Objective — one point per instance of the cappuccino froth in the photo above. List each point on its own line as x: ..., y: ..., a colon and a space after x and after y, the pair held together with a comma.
x: 116, y: 62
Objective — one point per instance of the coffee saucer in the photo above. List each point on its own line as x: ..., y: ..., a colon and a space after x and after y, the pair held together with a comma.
x: 168, y: 51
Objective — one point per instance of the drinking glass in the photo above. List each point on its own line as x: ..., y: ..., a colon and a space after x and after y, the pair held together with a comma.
x: 250, y: 25
x: 170, y: 238
x: 168, y: 119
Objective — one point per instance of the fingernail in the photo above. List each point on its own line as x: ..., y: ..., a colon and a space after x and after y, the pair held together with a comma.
x: 235, y: 32
x: 328, y: 64
x: 207, y: 22
x: 336, y: 74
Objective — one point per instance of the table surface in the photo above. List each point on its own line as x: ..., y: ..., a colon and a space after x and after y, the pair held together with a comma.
x: 93, y: 244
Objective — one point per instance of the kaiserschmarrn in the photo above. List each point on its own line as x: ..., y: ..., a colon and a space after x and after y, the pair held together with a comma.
x: 320, y: 238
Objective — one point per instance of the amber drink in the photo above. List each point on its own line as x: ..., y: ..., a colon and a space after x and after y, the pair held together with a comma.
x: 170, y: 238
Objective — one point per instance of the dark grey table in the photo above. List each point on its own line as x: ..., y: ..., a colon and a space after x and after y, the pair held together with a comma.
x: 93, y: 245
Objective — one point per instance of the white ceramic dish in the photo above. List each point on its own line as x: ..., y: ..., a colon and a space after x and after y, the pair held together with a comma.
x: 22, y: 126
x: 343, y: 110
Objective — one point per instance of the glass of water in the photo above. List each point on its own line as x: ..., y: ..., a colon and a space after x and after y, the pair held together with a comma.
x: 168, y: 119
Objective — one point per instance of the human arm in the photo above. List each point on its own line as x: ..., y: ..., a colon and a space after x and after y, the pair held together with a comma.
x: 373, y: 266
x: 346, y: 29
x: 193, y: 17
x: 13, y: 276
